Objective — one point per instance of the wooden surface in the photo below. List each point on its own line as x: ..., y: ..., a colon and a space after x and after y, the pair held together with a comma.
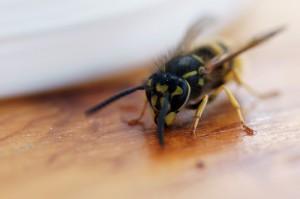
x: 48, y: 149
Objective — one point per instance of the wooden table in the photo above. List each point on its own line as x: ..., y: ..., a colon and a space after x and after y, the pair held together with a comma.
x: 48, y: 149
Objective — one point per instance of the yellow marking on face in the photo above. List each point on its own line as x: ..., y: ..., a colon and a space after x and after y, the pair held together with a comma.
x: 163, y: 68
x: 161, y: 88
x: 178, y: 91
x: 154, y: 100
x: 198, y: 58
x: 149, y: 82
x: 189, y: 74
x: 162, y: 100
x: 170, y: 118
x: 201, y: 82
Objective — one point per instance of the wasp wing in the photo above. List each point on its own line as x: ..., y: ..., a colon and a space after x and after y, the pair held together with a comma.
x: 194, y: 30
x: 185, y: 44
x: 219, y: 60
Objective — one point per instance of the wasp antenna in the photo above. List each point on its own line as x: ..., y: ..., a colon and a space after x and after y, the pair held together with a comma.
x: 113, y: 98
x: 219, y: 60
x: 161, y: 120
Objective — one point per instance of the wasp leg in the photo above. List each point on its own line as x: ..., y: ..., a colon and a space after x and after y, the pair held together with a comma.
x: 238, y: 79
x: 137, y: 120
x: 236, y: 105
x: 198, y: 113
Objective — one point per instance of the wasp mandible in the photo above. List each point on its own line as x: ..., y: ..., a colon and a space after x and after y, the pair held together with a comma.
x: 191, y: 79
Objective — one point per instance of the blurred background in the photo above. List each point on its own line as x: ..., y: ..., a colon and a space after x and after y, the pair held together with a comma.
x: 48, y: 149
x: 50, y: 44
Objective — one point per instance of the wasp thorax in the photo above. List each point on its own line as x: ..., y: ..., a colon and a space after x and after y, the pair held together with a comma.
x: 162, y: 85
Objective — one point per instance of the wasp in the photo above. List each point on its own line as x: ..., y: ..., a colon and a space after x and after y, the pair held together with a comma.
x: 191, y: 79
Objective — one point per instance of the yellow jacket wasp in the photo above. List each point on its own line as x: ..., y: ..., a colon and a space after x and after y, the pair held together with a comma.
x: 192, y: 79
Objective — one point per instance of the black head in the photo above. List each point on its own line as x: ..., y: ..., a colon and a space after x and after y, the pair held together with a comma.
x: 163, y: 86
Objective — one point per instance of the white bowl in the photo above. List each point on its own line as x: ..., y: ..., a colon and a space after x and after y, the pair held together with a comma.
x: 51, y: 44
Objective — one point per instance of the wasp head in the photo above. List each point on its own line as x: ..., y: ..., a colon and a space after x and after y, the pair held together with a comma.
x: 166, y: 88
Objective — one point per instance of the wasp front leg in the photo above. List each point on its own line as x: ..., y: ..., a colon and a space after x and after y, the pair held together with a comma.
x: 198, y: 114
x: 137, y: 120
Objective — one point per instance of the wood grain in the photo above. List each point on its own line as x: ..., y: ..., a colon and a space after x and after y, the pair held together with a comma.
x: 48, y: 149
